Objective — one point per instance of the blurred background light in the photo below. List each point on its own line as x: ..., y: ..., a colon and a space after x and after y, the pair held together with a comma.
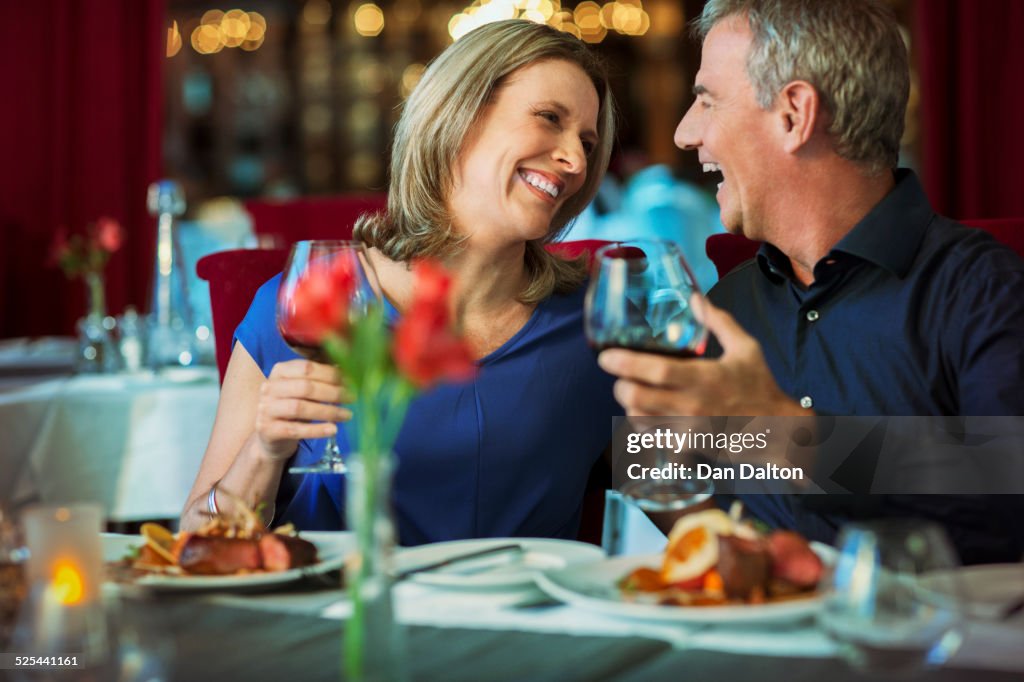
x: 173, y: 40
x: 316, y: 12
x: 369, y: 20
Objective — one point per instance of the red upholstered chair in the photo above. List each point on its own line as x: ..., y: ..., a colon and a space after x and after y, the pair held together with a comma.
x: 1009, y: 231
x: 575, y: 249
x: 234, y: 277
x: 327, y: 217
x: 727, y: 251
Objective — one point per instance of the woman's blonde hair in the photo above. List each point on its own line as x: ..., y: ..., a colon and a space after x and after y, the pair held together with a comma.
x: 437, y: 119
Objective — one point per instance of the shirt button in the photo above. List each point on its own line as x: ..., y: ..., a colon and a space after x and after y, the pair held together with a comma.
x: 812, y: 315
x: 806, y: 402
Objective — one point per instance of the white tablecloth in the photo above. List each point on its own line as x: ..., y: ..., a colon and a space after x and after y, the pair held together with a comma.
x: 130, y: 442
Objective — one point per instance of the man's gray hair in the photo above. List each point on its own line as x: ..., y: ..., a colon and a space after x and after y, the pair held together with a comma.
x: 851, y: 51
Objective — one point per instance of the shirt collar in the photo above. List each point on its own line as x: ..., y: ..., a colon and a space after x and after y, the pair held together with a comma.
x: 888, y: 236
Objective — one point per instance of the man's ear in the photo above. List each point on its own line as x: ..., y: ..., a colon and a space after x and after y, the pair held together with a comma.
x: 799, y: 106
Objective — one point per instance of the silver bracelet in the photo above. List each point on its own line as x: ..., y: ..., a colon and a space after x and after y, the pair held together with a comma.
x: 211, y: 500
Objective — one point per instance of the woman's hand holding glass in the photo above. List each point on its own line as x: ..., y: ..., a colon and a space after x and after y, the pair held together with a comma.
x: 300, y: 400
x: 326, y: 286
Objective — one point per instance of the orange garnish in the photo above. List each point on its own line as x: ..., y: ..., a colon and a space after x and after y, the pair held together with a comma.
x: 689, y: 543
x: 713, y: 582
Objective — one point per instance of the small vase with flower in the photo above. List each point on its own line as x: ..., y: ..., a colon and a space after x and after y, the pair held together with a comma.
x: 384, y: 365
x: 85, y: 256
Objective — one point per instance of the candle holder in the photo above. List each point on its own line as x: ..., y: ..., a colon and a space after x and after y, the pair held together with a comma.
x: 63, y: 617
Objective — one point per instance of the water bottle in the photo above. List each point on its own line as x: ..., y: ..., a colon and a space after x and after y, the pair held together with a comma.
x: 171, y: 335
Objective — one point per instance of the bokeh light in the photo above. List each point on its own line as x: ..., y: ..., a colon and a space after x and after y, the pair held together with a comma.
x: 410, y: 77
x: 589, y: 20
x: 369, y: 20
x: 316, y: 12
x: 173, y: 40
x: 217, y: 30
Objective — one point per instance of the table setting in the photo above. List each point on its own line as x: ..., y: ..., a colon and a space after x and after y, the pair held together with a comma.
x: 718, y: 596
x: 502, y: 608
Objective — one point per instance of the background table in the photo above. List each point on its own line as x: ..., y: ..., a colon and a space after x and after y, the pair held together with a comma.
x: 133, y: 443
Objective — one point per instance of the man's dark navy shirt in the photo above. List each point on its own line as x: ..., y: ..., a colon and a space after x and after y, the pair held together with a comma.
x: 909, y: 314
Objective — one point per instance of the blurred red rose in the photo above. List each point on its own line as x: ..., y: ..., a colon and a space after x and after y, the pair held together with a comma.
x: 426, y: 348
x: 319, y: 304
x: 109, y: 234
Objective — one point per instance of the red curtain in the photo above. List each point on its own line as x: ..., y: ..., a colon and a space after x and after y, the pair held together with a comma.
x: 79, y: 139
x: 971, y: 63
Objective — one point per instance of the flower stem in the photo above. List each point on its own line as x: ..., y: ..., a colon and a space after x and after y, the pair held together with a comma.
x: 97, y: 295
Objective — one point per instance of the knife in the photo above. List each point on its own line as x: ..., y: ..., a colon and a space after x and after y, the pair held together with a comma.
x: 500, y: 549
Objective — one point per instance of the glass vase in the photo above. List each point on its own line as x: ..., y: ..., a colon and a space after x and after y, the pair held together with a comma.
x: 374, y: 645
x: 97, y: 349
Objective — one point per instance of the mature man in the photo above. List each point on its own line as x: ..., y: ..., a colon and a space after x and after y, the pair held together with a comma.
x: 862, y: 301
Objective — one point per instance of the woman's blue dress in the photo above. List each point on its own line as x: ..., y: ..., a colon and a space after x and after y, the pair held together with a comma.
x: 507, y: 454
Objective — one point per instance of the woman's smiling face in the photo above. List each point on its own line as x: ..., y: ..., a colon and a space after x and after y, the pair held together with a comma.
x: 526, y: 154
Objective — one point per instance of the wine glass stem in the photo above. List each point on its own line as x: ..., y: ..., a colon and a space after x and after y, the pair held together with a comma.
x: 332, y: 453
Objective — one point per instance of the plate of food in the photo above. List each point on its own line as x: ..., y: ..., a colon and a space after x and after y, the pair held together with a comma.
x: 222, y: 555
x: 715, y: 569
x: 491, y: 563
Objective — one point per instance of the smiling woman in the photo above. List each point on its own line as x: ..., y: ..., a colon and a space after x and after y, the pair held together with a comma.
x: 449, y: 111
x: 502, y: 143
x: 514, y: 184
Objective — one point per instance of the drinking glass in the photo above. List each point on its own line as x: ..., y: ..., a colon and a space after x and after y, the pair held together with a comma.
x: 643, y: 296
x: 319, y: 256
x: 892, y: 599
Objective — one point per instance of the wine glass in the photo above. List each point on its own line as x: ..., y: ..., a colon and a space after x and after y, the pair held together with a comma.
x: 892, y: 598
x: 309, y: 258
x: 643, y: 296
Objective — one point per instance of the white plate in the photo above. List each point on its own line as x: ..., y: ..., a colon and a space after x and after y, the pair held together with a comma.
x: 332, y: 548
x: 595, y: 587
x: 511, y: 569
x: 991, y: 588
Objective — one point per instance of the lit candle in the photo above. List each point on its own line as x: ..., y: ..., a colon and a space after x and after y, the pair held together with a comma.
x: 65, y: 613
x: 65, y: 552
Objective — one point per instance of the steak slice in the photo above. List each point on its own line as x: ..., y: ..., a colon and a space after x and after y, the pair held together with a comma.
x: 793, y: 560
x: 744, y: 565
x: 282, y: 552
x: 204, y: 555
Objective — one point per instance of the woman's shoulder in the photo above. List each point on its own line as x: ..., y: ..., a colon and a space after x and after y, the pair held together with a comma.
x: 266, y: 294
x: 257, y: 331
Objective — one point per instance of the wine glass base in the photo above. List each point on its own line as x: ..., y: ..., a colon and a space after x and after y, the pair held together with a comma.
x: 661, y: 496
x: 320, y: 468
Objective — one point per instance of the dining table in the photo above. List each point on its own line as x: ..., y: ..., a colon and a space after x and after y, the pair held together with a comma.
x: 296, y: 631
x: 130, y: 441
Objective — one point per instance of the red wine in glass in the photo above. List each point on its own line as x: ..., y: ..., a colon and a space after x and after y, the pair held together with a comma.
x: 642, y: 296
x: 679, y: 353
x: 317, y: 256
x: 310, y: 352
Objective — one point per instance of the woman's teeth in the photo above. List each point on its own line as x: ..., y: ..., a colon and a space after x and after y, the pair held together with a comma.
x: 541, y: 184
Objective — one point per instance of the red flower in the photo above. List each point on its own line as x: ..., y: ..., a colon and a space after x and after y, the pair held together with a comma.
x: 426, y: 348
x: 109, y: 234
x: 319, y: 304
